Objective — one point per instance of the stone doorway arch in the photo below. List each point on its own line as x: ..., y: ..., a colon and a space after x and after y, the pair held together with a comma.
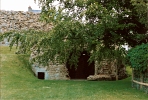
x: 84, y: 69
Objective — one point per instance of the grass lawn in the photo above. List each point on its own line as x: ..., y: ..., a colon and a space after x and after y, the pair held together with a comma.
x: 17, y: 82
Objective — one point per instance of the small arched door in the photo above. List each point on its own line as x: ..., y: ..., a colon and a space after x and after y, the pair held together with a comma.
x: 84, y: 69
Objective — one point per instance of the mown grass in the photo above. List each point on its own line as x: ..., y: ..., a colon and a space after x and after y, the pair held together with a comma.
x: 19, y: 83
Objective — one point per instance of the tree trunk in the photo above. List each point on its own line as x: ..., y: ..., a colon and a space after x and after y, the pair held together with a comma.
x: 116, y: 70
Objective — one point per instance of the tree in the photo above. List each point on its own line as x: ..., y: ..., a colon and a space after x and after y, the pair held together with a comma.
x: 103, y: 25
x: 99, y: 27
x: 123, y: 21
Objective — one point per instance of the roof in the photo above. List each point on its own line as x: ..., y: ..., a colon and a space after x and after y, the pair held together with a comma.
x: 34, y: 11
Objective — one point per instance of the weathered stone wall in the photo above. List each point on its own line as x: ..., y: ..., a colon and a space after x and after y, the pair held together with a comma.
x: 19, y: 20
x: 52, y: 71
x: 108, y: 70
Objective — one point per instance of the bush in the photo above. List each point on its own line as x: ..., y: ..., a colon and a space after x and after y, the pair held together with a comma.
x: 138, y: 57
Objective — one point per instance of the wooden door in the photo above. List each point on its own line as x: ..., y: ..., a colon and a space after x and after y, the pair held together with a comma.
x: 84, y: 69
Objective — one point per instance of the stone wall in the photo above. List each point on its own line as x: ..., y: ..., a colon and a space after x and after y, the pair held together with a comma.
x: 52, y: 71
x: 109, y: 70
x: 19, y: 20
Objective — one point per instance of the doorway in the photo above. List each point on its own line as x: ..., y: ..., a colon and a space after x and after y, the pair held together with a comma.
x: 84, y: 69
x: 41, y: 75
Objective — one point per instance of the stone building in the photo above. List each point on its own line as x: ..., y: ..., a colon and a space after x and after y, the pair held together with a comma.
x: 18, y: 20
x: 106, y: 70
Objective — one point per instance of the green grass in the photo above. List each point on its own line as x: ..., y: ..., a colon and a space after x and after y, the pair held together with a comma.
x: 19, y: 83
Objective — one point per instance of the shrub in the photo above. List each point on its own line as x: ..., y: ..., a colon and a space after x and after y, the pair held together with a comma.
x: 138, y: 57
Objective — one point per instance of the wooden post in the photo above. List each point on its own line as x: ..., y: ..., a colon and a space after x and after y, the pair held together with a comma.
x: 132, y: 77
x: 141, y: 80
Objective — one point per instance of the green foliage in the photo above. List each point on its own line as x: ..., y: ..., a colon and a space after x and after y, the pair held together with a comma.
x: 138, y: 57
x: 121, y: 21
x: 99, y: 27
x: 23, y: 39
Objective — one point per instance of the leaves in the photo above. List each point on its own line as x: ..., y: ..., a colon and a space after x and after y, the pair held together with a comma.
x: 138, y: 57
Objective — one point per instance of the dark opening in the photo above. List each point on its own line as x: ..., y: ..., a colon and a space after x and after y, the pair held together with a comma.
x: 83, y: 70
x: 41, y: 75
